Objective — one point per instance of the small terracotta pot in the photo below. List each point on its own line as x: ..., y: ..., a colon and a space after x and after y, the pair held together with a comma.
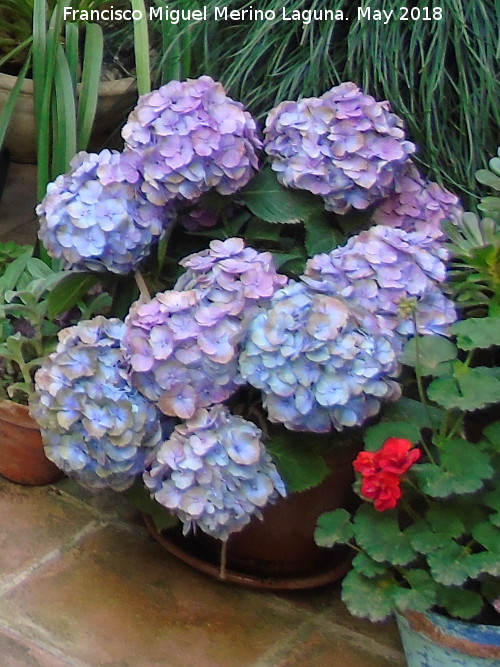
x: 22, y: 458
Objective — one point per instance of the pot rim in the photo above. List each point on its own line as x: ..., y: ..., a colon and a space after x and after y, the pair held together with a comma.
x: 421, y: 623
x: 106, y: 88
x: 18, y: 414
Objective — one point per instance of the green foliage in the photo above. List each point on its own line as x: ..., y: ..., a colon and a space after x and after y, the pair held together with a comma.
x: 440, y: 544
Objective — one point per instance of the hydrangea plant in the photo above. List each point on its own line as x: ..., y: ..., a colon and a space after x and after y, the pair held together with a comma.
x: 184, y: 344
x: 95, y: 216
x: 344, y: 146
x: 214, y: 473
x: 191, y: 137
x: 95, y: 425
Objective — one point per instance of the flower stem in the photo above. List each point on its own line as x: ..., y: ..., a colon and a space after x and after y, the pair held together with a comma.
x: 143, y: 288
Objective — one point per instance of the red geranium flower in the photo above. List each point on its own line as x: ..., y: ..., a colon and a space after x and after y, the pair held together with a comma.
x: 383, y: 489
x: 397, y: 455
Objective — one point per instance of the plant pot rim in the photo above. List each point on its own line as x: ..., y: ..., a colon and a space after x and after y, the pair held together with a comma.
x: 16, y: 413
x: 106, y: 88
x: 422, y: 623
x: 174, y: 546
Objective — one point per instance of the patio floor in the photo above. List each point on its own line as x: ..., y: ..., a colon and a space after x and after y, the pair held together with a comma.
x: 82, y: 583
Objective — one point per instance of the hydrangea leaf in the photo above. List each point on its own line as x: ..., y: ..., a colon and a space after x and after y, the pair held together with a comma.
x: 476, y: 332
x: 422, y: 592
x: 463, y: 469
x: 370, y: 597
x: 449, y: 564
x: 429, y: 354
x: 333, y: 528
x: 375, y: 436
x: 300, y: 468
x: 458, y: 602
x: 378, y: 534
x: 321, y: 236
x: 470, y: 389
x: 272, y: 202
x: 367, y: 566
x: 69, y: 291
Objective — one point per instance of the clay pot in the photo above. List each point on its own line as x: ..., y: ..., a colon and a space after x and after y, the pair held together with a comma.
x: 115, y: 99
x: 22, y: 459
x: 278, y: 552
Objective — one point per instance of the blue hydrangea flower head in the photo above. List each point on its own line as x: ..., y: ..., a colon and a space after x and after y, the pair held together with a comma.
x: 96, y: 218
x: 192, y: 137
x: 418, y: 205
x: 95, y: 426
x: 391, y: 276
x: 184, y: 344
x: 214, y: 473
x: 344, y: 146
x: 315, y: 364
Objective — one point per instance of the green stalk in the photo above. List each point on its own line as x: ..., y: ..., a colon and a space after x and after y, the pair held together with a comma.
x: 6, y: 112
x: 91, y: 74
x: 141, y: 49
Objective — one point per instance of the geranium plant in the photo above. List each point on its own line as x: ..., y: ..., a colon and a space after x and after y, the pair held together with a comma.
x: 427, y: 534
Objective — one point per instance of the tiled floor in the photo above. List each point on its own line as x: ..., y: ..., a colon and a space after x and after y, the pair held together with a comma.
x: 82, y: 583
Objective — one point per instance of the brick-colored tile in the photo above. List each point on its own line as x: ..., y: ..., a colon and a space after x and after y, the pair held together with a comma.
x: 325, y: 649
x: 118, y: 599
x: 17, y: 651
x: 34, y: 521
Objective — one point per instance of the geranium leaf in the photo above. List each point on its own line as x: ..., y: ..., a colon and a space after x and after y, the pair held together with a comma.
x: 371, y: 597
x: 458, y: 602
x: 429, y: 354
x: 448, y: 564
x: 376, y: 435
x: 463, y: 469
x: 378, y: 534
x: 334, y: 528
x: 484, y: 562
x: 424, y: 540
x: 488, y: 536
x: 472, y: 389
x: 408, y: 410
x: 476, y: 332
x: 367, y: 566
x: 422, y: 592
x: 300, y: 468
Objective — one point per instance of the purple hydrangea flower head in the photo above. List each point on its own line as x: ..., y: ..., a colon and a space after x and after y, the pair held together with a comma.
x: 184, y: 344
x: 391, y: 276
x: 418, y: 205
x: 95, y: 426
x: 96, y: 218
x: 344, y: 146
x: 192, y: 137
x: 315, y: 364
x: 214, y: 473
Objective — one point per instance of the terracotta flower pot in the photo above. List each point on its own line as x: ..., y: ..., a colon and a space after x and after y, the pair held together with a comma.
x: 278, y: 552
x: 434, y: 639
x: 22, y: 459
x: 115, y: 98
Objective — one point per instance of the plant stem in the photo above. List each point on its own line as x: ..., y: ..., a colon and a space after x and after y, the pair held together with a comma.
x: 143, y: 288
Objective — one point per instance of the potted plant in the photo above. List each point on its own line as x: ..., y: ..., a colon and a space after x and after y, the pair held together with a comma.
x: 232, y: 321
x: 427, y: 535
x: 27, y: 336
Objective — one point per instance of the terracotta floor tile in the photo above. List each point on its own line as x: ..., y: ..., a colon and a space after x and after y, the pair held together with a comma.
x: 16, y: 651
x: 325, y: 650
x: 34, y: 521
x: 117, y: 598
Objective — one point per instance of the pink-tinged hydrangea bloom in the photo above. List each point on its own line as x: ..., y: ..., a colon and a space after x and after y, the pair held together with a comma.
x: 95, y: 426
x: 344, y: 146
x: 314, y: 363
x: 214, y: 473
x: 184, y: 345
x: 391, y: 277
x: 418, y: 205
x: 192, y: 137
x: 96, y: 218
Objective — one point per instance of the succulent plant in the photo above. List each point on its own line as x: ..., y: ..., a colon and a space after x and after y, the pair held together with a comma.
x: 184, y: 344
x: 95, y: 217
x: 315, y: 365
x: 95, y: 426
x: 391, y: 276
x: 418, y: 205
x: 192, y: 137
x: 214, y: 473
x: 344, y: 146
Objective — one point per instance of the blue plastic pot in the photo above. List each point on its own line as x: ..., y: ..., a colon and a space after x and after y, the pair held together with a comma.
x: 433, y: 640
